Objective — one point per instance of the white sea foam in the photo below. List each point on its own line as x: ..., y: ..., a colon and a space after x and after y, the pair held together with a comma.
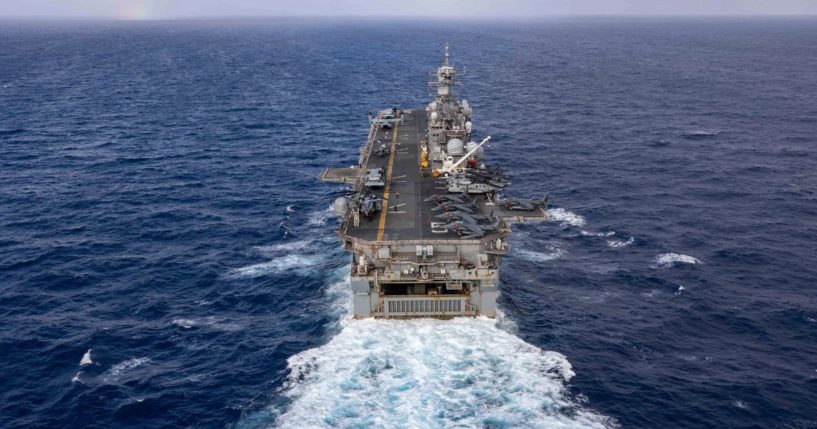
x: 652, y: 293
x: 113, y: 374
x: 566, y: 217
x: 430, y: 374
x: 76, y: 379
x: 701, y: 133
x: 533, y: 256
x: 311, y: 245
x: 184, y: 323
x: 211, y: 322
x: 340, y: 294
x: 291, y: 208
x: 86, y: 359
x: 670, y: 259
x: 276, y: 266
x: 423, y: 374
x: 319, y: 218
x: 287, y: 246
x: 621, y: 243
x: 598, y: 234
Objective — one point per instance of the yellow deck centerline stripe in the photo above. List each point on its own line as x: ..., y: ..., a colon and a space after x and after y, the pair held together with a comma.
x: 385, y: 209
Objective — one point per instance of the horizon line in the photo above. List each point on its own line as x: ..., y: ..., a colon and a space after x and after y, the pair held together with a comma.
x: 415, y: 17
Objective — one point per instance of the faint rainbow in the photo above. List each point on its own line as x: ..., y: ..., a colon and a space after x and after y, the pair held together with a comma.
x: 134, y: 10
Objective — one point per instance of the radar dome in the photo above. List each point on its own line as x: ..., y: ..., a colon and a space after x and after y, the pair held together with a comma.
x: 340, y: 206
x: 455, y: 147
x: 473, y: 145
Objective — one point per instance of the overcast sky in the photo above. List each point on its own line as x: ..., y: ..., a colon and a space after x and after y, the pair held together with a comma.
x: 158, y: 9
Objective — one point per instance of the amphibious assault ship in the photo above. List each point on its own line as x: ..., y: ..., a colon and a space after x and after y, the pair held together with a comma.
x: 424, y: 219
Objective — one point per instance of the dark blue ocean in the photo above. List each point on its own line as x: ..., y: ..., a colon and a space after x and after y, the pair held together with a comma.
x: 160, y: 216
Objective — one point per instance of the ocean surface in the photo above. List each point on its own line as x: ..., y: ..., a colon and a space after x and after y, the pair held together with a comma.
x: 168, y: 259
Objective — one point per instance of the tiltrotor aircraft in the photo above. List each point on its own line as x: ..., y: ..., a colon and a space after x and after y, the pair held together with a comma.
x: 469, y: 230
x: 522, y: 203
x: 454, y: 216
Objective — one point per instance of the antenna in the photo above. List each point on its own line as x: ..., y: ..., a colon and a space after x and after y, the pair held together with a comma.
x: 471, y: 152
x: 445, y: 63
x: 449, y: 165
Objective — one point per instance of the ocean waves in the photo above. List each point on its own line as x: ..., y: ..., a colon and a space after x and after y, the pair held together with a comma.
x: 432, y: 374
x: 553, y: 252
x: 287, y: 263
x: 160, y: 203
x: 670, y: 259
x: 566, y: 217
x: 290, y: 256
x: 621, y: 243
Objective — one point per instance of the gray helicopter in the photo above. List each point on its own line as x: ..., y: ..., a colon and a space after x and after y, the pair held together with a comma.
x: 374, y: 178
x: 382, y: 150
x: 367, y: 203
x: 386, y: 118
x: 522, y: 203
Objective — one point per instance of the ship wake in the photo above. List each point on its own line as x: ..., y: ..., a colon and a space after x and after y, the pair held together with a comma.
x: 430, y: 374
x: 419, y: 373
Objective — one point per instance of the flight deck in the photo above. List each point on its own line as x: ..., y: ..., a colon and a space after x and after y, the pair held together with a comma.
x: 424, y: 218
x: 405, y: 214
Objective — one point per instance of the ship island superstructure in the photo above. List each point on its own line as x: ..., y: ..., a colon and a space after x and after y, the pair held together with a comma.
x: 424, y: 219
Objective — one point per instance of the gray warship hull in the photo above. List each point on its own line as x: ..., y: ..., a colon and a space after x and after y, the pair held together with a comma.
x: 418, y: 252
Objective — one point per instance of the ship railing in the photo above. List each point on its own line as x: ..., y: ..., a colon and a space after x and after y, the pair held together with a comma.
x: 366, y: 150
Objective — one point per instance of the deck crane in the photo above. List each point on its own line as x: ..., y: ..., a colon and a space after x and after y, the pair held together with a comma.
x: 449, y: 166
